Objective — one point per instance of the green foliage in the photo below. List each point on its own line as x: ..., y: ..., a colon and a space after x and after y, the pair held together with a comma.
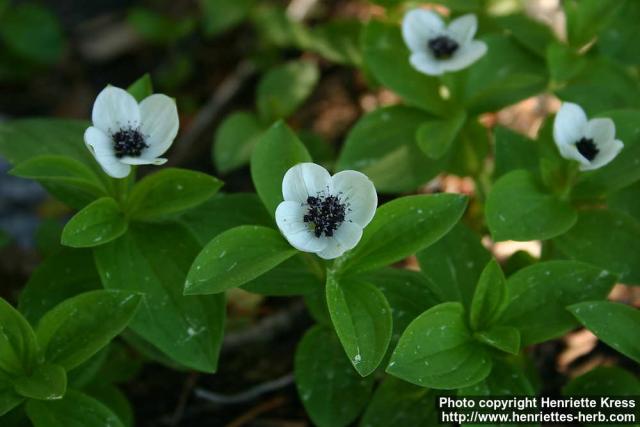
x: 234, y: 141
x: 157, y: 28
x: 615, y: 324
x: 221, y: 15
x: 331, y: 391
x: 402, y: 227
x: 382, y: 145
x: 75, y: 409
x: 236, y: 257
x: 153, y: 260
x: 282, y: 89
x: 278, y: 150
x: 437, y: 350
x: 490, y: 297
x: 170, y: 192
x: 361, y: 316
x: 98, y: 223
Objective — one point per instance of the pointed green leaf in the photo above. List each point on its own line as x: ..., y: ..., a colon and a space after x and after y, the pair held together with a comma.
x: 437, y: 350
x: 18, y: 345
x: 277, y: 151
x: 75, y: 409
x: 503, y: 338
x: 435, y: 137
x: 96, y: 224
x: 141, y: 88
x: 490, y: 297
x: 615, y: 324
x: 519, y: 208
x: 235, y: 257
x: 79, y: 327
x: 47, y: 382
x: 234, y: 141
x: 539, y: 294
x: 402, y: 227
x: 362, y: 318
x: 153, y: 260
x: 169, y: 192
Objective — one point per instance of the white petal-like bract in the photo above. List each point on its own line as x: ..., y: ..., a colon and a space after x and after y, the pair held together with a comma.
x: 126, y: 133
x: 437, y: 48
x: 592, y: 142
x: 325, y: 214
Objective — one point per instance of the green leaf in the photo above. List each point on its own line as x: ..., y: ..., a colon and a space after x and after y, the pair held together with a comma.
x: 221, y: 15
x: 234, y: 141
x: 223, y: 212
x: 235, y: 257
x: 506, y: 379
x: 22, y: 140
x: 585, y: 18
x: 5, y: 239
x: 435, y: 137
x: 33, y: 32
x: 62, y: 171
x: 331, y: 391
x: 519, y: 208
x: 284, y: 88
x: 490, y: 297
x: 623, y: 26
x: 169, y: 192
x: 299, y: 275
x: 604, y: 381
x: 76, y: 409
x: 98, y: 223
x: 601, y: 85
x: 626, y: 200
x: 338, y: 41
x: 539, y: 294
x: 409, y: 294
x: 153, y: 260
x: 387, y: 57
x: 605, y: 238
x: 615, y: 324
x: 438, y: 351
x: 454, y: 263
x: 514, y: 151
x: 564, y: 62
x: 18, y: 345
x: 533, y: 35
x: 382, y: 145
x: 505, y: 75
x: 402, y: 227
x: 79, y: 327
x: 623, y: 170
x: 398, y: 403
x: 60, y: 276
x: 47, y: 382
x: 278, y: 150
x: 362, y: 318
x: 141, y: 88
x: 158, y: 28
x: 503, y: 338
x: 9, y: 399
x: 115, y: 400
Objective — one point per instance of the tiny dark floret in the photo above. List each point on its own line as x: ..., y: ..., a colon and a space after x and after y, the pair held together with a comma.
x: 443, y: 47
x: 326, y: 213
x: 587, y: 148
x: 128, y: 142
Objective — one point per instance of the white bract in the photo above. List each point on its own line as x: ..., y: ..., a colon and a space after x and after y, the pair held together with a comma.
x: 126, y: 133
x: 325, y: 214
x: 590, y: 142
x: 437, y: 48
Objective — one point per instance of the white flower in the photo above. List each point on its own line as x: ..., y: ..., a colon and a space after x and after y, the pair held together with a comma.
x: 590, y: 142
x: 325, y: 214
x: 437, y: 48
x: 126, y: 133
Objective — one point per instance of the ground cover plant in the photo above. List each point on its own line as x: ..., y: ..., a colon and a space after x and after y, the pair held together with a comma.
x: 315, y: 213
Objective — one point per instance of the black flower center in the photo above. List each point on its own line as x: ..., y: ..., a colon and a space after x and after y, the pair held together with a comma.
x: 326, y: 213
x: 587, y: 148
x: 443, y: 47
x: 128, y: 142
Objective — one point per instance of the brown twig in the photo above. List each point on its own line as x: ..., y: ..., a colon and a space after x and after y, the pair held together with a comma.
x: 258, y: 410
x: 189, y: 384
